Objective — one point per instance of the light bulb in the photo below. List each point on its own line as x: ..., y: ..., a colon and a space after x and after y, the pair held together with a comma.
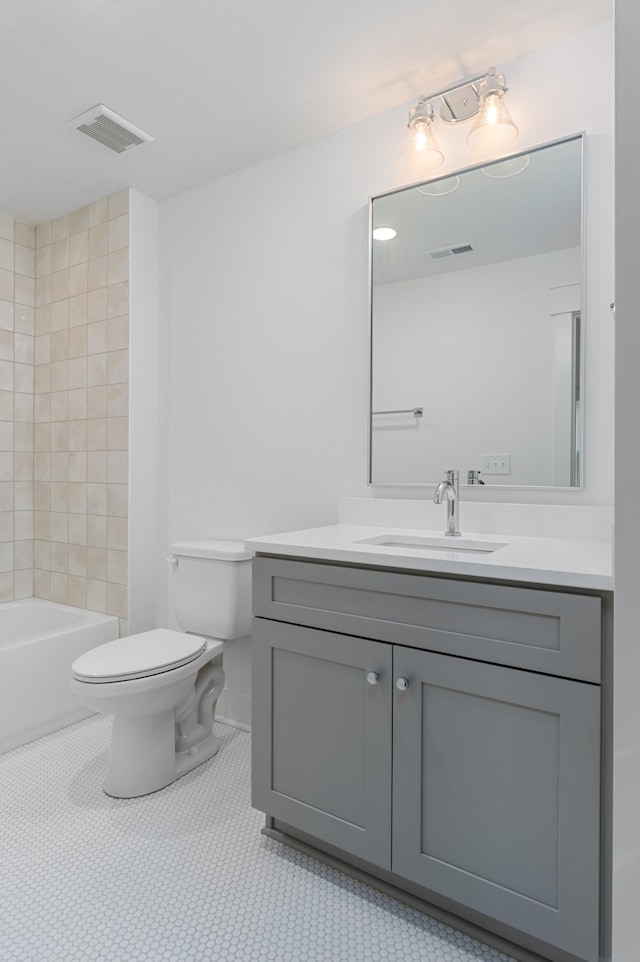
x: 421, y: 153
x: 493, y: 128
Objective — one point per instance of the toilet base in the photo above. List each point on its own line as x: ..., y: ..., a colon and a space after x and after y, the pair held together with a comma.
x: 149, y: 752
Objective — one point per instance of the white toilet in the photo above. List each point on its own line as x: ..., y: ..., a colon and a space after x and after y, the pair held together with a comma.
x: 162, y: 686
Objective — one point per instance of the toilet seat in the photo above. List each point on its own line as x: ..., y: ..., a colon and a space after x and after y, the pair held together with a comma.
x: 138, y: 656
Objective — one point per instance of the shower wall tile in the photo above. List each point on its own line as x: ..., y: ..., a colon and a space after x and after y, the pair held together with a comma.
x: 17, y: 356
x: 78, y: 348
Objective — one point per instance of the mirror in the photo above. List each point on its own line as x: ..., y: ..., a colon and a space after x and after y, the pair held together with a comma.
x: 477, y: 326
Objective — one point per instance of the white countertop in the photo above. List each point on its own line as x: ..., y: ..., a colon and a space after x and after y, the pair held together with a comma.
x: 548, y: 561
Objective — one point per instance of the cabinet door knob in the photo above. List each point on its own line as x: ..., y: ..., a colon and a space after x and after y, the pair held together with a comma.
x: 373, y: 677
x: 402, y: 684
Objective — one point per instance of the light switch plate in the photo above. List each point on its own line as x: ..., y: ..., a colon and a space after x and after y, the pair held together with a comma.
x: 495, y: 463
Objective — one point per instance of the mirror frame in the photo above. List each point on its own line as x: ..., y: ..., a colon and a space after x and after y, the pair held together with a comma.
x: 580, y: 436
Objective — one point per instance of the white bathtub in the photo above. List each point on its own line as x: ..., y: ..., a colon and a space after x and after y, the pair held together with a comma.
x: 38, y: 642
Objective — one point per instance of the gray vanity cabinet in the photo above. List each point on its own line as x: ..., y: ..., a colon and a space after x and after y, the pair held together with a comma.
x: 496, y: 793
x: 322, y: 736
x: 472, y: 782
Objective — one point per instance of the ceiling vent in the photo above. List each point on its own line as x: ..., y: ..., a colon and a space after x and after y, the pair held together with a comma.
x: 110, y: 129
x: 453, y: 251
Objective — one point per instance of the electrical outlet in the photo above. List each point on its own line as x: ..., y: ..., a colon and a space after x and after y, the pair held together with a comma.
x: 495, y: 463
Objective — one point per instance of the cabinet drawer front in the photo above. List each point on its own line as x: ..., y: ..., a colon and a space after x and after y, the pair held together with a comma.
x: 551, y: 632
x: 321, y: 741
x: 496, y: 794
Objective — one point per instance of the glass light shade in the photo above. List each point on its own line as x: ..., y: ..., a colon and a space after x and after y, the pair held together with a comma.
x: 493, y: 127
x: 421, y: 152
x: 438, y: 188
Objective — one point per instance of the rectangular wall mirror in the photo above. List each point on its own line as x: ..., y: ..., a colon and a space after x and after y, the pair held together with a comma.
x: 477, y: 325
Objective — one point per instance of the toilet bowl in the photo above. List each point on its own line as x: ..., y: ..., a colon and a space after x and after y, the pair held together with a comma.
x: 161, y: 686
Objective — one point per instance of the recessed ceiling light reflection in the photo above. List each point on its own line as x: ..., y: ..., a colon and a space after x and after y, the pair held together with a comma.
x: 507, y: 168
x: 438, y: 188
x: 384, y: 233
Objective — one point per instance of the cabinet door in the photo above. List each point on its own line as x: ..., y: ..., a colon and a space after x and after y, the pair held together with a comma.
x: 496, y: 794
x: 322, y: 736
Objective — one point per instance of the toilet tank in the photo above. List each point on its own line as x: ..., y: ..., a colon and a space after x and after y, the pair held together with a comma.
x: 212, y: 588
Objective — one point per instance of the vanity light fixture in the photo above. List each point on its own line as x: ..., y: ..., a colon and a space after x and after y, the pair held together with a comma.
x: 481, y: 97
x: 493, y: 127
x: 384, y: 233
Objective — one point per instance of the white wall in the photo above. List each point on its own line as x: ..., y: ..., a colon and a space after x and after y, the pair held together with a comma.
x: 268, y: 317
x: 626, y: 675
x: 458, y: 344
x: 146, y: 538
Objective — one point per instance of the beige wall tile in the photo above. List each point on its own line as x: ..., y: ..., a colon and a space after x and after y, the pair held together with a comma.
x: 7, y: 254
x: 97, y: 596
x: 59, y: 465
x: 97, y: 338
x: 119, y: 233
x: 6, y: 285
x: 79, y: 248
x: 60, y: 315
x: 99, y: 212
x: 78, y: 529
x: 78, y: 467
x: 77, y: 279
x: 119, y: 203
x: 43, y: 261
x: 98, y: 241
x: 97, y: 530
x: 117, y: 600
x: 7, y: 315
x: 78, y: 341
x: 118, y: 500
x: 77, y: 373
x: 78, y: 560
x: 43, y: 235
x: 118, y: 467
x: 24, y: 405
x: 80, y: 435
x: 97, y: 369
x: 25, y: 315
x: 7, y: 227
x: 79, y: 221
x: 59, y: 406
x: 25, y: 234
x: 97, y: 435
x: 97, y: 499
x: 77, y: 592
x: 98, y: 273
x: 77, y: 310
x: 25, y: 290
x: 25, y: 262
x: 118, y: 434
x: 97, y: 466
x: 78, y: 404
x: 119, y: 299
x: 59, y: 586
x: 60, y: 228
x: 60, y: 255
x: 41, y: 583
x: 117, y: 533
x: 98, y: 305
x: 117, y: 567
x: 60, y: 558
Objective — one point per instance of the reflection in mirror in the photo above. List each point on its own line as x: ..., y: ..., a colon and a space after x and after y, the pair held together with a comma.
x: 476, y: 324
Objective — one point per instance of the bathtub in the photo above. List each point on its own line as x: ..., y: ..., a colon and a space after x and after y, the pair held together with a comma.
x: 38, y: 642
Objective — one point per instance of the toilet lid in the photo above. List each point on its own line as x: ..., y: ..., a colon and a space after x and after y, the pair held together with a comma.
x: 138, y: 656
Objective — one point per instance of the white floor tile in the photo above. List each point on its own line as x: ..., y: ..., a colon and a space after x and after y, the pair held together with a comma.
x: 179, y: 876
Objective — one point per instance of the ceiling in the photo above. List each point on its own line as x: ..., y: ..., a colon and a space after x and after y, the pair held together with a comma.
x: 534, y: 212
x: 223, y: 84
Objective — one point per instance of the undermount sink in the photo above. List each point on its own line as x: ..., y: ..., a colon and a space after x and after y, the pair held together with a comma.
x: 417, y: 543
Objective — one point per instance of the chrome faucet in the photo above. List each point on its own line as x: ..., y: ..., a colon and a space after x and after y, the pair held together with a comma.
x: 449, y: 489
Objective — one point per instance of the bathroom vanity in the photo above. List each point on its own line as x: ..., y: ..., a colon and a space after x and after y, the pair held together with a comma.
x: 435, y: 717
